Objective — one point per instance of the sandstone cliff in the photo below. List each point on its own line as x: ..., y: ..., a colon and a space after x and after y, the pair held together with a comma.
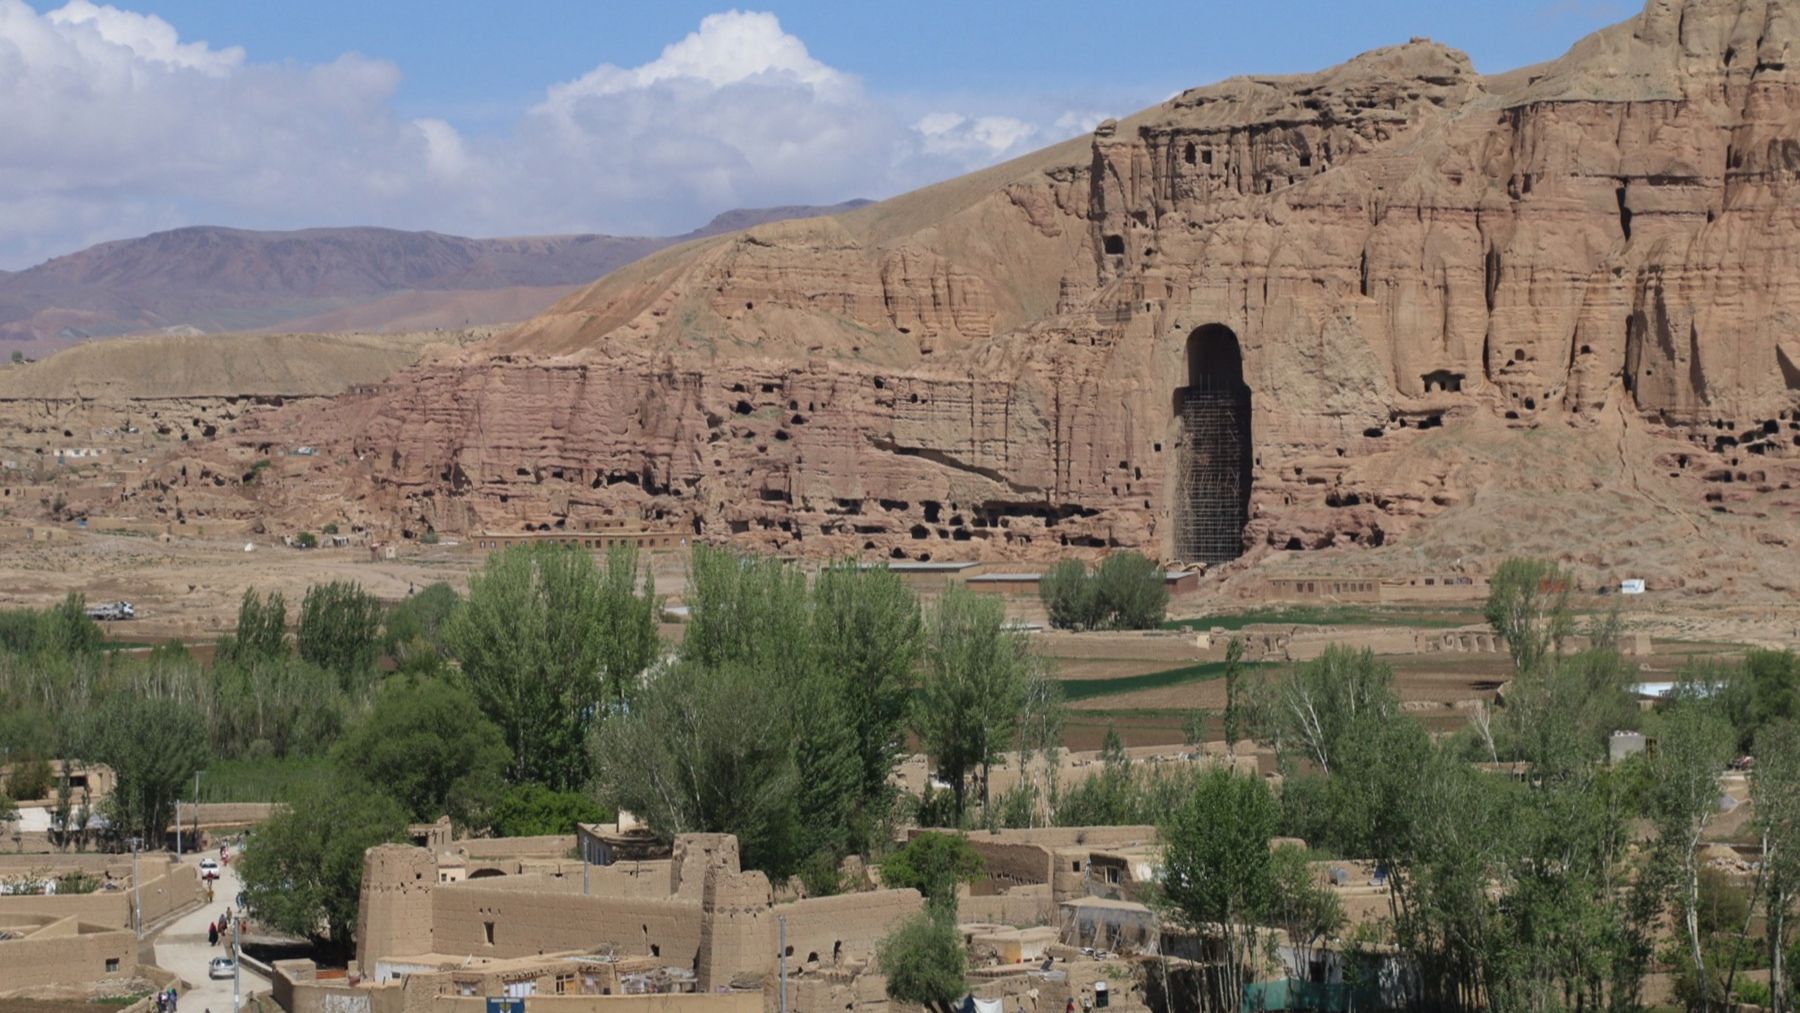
x: 1551, y: 310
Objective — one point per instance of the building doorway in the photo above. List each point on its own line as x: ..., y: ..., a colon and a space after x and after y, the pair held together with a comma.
x: 1213, y: 471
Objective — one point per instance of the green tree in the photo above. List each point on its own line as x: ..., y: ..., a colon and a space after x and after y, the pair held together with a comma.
x: 1107, y: 799
x: 925, y: 963
x: 261, y: 629
x: 1234, y: 710
x: 9, y: 813
x: 706, y: 750
x: 304, y: 874
x: 537, y: 643
x: 259, y: 707
x: 1691, y: 752
x: 421, y: 619
x: 62, y: 630
x: 1762, y: 690
x: 428, y: 745
x: 1316, y: 706
x: 532, y: 810
x: 868, y: 633
x: 746, y: 610
x: 30, y: 779
x: 1300, y: 906
x: 1219, y: 876
x: 934, y: 864
x: 153, y: 746
x: 1528, y: 606
x: 339, y: 624
x: 1131, y: 591
x: 306, y: 540
x: 976, y: 672
x: 1068, y: 595
x: 1775, y: 797
x: 828, y: 776
x: 1040, y: 734
x: 68, y: 631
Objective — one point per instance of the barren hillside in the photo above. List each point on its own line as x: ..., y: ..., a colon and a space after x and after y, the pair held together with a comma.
x: 215, y: 279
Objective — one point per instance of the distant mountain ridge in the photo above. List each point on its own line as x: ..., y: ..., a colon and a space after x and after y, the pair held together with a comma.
x: 212, y: 279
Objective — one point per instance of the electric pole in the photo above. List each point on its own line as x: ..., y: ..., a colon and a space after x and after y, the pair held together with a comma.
x: 237, y: 1001
x: 137, y: 901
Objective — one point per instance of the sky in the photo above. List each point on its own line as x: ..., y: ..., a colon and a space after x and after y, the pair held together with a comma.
x: 557, y: 116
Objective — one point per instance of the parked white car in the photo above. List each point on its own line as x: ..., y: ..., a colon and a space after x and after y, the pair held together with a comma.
x: 221, y: 967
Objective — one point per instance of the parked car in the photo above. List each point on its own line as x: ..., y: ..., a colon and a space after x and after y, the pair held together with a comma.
x: 221, y: 967
x: 209, y: 868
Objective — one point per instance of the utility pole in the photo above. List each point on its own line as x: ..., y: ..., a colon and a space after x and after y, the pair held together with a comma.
x: 781, y: 955
x: 237, y: 1002
x: 137, y: 902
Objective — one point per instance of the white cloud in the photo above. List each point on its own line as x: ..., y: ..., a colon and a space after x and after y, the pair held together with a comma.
x: 147, y: 36
x: 114, y: 125
x: 946, y: 133
x: 729, y: 48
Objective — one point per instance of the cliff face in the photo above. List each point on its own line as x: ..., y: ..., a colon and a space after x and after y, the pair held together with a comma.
x: 1420, y: 274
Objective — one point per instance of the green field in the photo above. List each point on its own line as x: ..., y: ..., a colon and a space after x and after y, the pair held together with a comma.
x: 270, y: 780
x: 1075, y: 690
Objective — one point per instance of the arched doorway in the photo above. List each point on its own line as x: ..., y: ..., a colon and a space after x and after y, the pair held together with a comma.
x: 1213, y: 474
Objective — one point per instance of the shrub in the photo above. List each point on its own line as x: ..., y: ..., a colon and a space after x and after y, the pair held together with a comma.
x: 1068, y: 595
x: 1131, y: 591
x: 1127, y: 592
x: 306, y: 540
x: 31, y: 778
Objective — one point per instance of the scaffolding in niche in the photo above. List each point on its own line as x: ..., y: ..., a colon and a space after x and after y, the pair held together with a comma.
x: 1213, y: 474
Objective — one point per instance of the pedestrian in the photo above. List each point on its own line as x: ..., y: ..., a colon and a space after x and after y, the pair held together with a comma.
x: 212, y: 933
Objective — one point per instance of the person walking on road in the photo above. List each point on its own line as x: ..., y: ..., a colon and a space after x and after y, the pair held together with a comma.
x: 212, y: 933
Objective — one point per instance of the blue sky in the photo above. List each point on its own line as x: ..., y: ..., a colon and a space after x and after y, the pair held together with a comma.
x: 559, y: 116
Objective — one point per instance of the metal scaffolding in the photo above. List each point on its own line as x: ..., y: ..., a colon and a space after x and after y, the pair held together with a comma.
x: 1213, y: 476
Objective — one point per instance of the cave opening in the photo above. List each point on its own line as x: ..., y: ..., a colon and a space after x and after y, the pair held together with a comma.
x: 1214, y: 473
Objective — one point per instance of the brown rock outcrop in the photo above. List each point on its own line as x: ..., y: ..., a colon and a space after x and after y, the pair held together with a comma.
x: 1441, y: 290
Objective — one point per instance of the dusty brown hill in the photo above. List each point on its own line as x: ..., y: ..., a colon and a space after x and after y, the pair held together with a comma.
x: 216, y: 279
x: 222, y: 365
x: 1392, y: 306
